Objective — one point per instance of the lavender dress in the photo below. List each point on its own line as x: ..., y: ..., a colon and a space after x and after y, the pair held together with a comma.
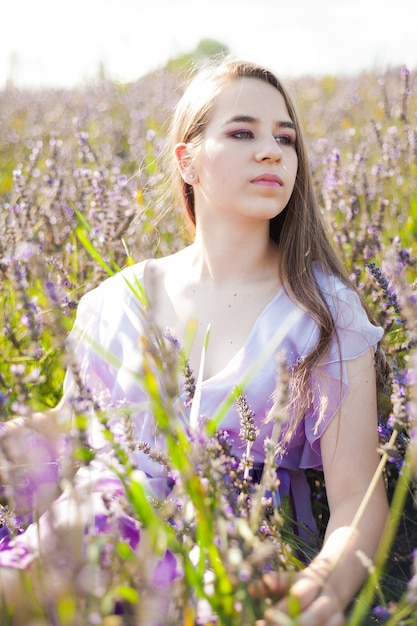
x: 110, y: 317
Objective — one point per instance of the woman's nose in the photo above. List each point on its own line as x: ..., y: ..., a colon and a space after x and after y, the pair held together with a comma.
x: 269, y: 149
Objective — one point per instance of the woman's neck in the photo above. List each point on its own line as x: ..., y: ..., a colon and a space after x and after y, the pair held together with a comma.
x: 233, y: 257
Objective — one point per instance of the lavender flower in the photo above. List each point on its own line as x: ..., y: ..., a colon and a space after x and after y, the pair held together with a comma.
x: 248, y: 431
x: 412, y: 408
x: 189, y: 384
x: 398, y: 418
x: 389, y: 294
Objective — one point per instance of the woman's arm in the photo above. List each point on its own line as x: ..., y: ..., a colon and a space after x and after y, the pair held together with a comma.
x: 350, y: 458
x: 48, y: 422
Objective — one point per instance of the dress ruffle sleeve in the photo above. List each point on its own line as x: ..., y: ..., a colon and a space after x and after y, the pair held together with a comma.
x: 105, y: 338
x: 92, y: 369
x: 328, y: 382
x: 105, y: 342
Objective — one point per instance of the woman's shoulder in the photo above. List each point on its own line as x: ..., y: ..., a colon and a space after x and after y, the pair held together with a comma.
x: 129, y: 285
x: 121, y: 284
x: 112, y: 296
x: 126, y: 278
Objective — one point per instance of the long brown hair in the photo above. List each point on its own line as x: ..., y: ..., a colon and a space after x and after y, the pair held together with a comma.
x: 300, y: 230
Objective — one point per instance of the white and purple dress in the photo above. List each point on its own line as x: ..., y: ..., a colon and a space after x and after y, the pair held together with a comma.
x: 110, y: 317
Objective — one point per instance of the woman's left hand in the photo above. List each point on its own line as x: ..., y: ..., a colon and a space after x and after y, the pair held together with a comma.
x: 314, y: 603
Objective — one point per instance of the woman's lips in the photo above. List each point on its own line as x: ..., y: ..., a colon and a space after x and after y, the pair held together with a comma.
x: 268, y: 180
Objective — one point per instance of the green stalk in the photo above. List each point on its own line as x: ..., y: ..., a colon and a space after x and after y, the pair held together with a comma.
x: 400, y: 615
x: 366, y: 596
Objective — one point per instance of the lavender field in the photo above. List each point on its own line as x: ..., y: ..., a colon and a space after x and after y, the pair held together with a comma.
x: 82, y: 195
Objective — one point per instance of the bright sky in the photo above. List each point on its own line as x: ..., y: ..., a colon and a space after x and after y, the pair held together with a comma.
x: 63, y: 42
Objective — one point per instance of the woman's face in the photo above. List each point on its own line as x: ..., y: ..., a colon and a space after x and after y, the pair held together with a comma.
x: 247, y: 163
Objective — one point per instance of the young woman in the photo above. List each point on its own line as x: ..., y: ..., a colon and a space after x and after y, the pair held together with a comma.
x: 260, y: 266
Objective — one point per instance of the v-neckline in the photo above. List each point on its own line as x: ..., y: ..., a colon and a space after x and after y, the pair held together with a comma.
x: 243, y: 347
x: 248, y: 339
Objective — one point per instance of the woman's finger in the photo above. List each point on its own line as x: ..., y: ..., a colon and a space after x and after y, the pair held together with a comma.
x: 278, y: 583
x: 273, y: 585
x: 301, y: 594
x: 324, y: 611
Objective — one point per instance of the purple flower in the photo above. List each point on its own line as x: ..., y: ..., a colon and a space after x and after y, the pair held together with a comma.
x: 165, y: 572
x: 102, y: 524
x: 381, y: 612
x: 129, y: 530
x: 51, y: 291
x: 169, y: 336
x: 16, y: 557
x: 24, y: 251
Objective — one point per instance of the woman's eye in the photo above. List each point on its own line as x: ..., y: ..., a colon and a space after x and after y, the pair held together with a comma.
x: 285, y: 140
x: 242, y: 134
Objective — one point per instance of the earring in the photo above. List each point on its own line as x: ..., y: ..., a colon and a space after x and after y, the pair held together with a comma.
x: 191, y: 176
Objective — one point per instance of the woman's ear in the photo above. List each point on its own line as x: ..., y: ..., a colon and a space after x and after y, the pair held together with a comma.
x: 185, y: 163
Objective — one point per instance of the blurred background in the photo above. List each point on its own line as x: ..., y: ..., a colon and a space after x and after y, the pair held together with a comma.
x: 65, y: 43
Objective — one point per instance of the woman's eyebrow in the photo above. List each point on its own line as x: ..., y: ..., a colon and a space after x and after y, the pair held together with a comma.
x: 286, y: 125
x: 242, y: 118
x: 254, y: 120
